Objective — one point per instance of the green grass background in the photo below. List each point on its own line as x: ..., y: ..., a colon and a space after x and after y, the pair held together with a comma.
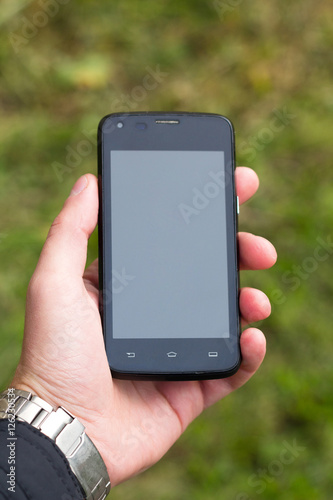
x: 248, y: 60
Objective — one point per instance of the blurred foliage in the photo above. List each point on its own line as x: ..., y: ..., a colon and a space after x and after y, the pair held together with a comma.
x: 268, y: 67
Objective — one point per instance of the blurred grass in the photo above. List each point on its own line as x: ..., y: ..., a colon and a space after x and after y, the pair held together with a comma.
x: 249, y: 62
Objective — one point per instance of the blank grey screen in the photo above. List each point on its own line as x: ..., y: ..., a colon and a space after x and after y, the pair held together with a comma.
x: 169, y: 252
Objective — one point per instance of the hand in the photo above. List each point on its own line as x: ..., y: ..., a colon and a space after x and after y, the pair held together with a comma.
x: 132, y: 423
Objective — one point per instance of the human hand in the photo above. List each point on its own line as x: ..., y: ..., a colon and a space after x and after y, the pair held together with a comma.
x: 132, y: 423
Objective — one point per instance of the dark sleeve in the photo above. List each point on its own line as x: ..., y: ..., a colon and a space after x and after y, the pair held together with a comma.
x: 32, y: 467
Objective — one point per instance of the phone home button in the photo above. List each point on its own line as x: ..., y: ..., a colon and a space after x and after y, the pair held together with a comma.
x: 172, y: 354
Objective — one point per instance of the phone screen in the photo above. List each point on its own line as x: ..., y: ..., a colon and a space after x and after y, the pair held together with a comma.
x: 168, y: 245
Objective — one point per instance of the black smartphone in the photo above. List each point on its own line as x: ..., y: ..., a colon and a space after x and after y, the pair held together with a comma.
x: 167, y: 245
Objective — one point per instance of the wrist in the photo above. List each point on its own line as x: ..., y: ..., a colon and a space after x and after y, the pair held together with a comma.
x: 67, y: 432
x: 35, y: 387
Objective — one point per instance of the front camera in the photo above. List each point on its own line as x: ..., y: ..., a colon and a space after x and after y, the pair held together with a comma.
x: 141, y: 126
x: 120, y: 124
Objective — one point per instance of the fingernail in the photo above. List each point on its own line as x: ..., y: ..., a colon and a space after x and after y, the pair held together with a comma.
x: 79, y: 186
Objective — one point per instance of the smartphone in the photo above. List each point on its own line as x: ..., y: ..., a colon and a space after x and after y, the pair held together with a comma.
x: 168, y: 268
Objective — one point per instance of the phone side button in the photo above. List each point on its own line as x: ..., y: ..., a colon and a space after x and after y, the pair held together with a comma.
x: 237, y: 202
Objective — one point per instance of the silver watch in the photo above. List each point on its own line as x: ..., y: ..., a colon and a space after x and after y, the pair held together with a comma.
x: 68, y: 434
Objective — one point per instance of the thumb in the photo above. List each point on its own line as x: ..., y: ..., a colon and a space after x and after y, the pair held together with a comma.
x: 65, y: 249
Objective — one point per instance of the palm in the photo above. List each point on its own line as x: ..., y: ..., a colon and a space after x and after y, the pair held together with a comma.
x: 127, y: 417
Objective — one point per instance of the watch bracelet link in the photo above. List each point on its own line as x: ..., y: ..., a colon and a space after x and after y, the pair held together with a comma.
x: 69, y: 435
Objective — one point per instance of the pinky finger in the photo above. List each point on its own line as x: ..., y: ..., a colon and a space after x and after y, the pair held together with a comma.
x: 253, y: 347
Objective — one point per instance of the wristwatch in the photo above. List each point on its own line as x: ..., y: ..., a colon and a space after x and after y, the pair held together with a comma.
x: 68, y: 434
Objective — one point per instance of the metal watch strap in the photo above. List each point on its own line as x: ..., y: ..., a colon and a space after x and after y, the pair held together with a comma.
x: 67, y: 432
